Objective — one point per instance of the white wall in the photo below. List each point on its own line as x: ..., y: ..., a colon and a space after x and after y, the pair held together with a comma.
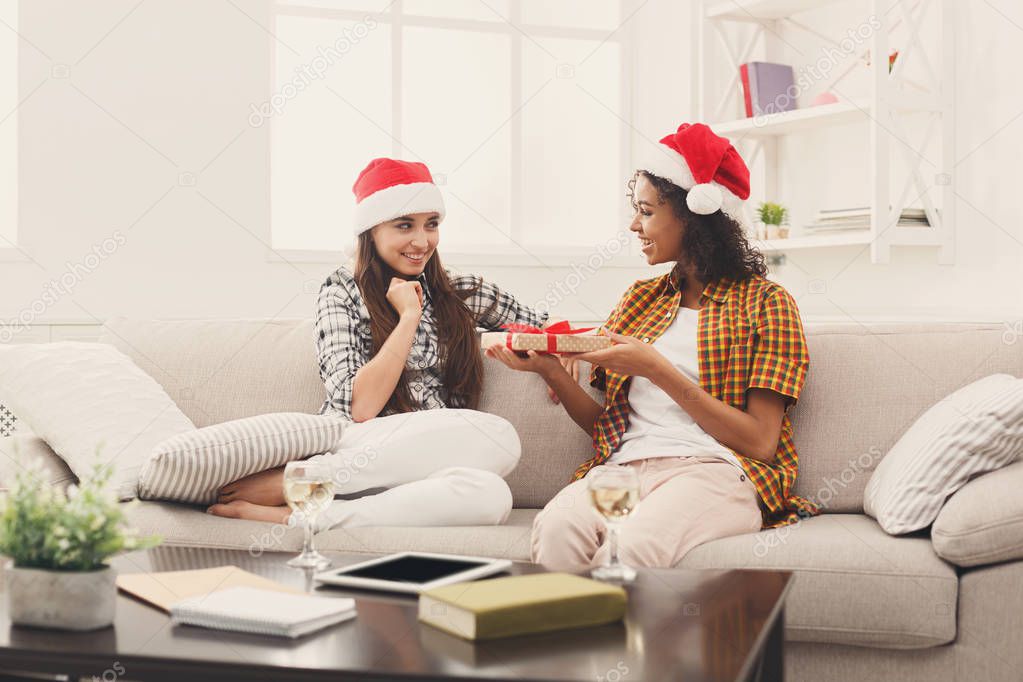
x: 8, y: 127
x: 124, y: 109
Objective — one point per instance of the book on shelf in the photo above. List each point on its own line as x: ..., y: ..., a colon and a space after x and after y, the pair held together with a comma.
x: 859, y: 218
x: 841, y: 213
x: 767, y: 88
x: 747, y: 99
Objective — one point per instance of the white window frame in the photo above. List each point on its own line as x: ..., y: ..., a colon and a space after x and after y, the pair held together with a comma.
x: 518, y: 253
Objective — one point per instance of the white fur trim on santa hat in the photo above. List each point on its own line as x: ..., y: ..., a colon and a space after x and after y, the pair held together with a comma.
x: 670, y: 165
x: 396, y: 201
x: 666, y: 163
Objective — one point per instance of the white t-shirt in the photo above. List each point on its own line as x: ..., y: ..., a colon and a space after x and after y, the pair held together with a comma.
x: 658, y: 426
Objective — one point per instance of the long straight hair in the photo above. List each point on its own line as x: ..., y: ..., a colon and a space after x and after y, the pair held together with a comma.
x: 460, y: 361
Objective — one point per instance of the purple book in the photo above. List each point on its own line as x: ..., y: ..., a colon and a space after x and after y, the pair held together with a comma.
x: 771, y: 88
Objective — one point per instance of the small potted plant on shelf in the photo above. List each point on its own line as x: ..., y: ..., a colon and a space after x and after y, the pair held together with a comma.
x: 58, y: 543
x: 774, y: 223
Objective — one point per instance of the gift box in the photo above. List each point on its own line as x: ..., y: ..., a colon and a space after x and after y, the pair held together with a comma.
x: 557, y: 338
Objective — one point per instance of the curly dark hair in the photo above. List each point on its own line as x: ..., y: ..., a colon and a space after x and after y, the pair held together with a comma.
x: 715, y: 245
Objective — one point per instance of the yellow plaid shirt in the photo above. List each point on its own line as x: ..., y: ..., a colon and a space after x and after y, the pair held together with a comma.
x: 749, y: 335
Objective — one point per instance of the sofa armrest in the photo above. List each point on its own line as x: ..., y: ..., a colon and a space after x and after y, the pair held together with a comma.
x: 982, y: 523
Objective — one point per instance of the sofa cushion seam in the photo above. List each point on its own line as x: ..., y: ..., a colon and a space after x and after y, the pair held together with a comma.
x: 827, y: 628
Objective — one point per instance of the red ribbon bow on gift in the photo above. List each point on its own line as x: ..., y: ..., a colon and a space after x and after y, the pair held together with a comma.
x: 552, y: 332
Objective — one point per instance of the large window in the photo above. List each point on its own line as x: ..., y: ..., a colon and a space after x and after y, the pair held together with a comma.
x: 516, y: 105
x: 8, y: 124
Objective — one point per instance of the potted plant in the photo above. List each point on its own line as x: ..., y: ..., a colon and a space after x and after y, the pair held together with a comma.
x: 58, y: 543
x: 774, y: 218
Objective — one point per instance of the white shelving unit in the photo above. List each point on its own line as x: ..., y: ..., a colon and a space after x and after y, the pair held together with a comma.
x: 795, y: 121
x: 891, y: 97
x: 850, y: 238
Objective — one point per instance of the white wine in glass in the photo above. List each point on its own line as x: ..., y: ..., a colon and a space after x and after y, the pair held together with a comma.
x: 614, y: 493
x: 614, y: 504
x: 308, y: 490
x: 308, y: 497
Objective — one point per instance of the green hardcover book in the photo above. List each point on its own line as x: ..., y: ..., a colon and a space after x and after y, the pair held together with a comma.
x: 517, y: 605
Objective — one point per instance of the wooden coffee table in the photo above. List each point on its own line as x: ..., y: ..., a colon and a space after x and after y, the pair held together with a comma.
x: 681, y: 625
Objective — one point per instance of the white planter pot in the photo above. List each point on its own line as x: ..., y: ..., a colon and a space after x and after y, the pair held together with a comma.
x: 63, y: 600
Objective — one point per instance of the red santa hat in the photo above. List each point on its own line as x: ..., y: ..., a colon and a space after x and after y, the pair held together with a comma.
x: 707, y: 166
x: 388, y: 188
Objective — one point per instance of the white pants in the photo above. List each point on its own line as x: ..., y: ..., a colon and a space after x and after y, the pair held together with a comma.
x: 436, y: 468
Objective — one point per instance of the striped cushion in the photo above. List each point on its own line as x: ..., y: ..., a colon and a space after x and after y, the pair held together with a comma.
x: 976, y: 429
x: 192, y: 466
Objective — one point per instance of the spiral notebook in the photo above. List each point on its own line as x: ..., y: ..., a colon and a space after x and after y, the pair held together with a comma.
x: 262, y: 612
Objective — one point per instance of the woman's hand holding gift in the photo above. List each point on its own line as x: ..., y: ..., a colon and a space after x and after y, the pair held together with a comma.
x: 561, y: 376
x: 628, y: 356
x: 538, y: 363
x: 544, y: 364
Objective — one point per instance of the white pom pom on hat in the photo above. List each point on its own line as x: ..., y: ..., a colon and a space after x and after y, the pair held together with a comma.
x: 704, y: 198
x: 704, y: 164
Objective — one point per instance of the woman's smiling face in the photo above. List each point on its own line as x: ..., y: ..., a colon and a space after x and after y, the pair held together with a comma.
x: 407, y: 243
x: 655, y: 223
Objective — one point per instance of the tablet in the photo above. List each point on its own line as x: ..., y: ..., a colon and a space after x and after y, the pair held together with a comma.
x: 412, y: 572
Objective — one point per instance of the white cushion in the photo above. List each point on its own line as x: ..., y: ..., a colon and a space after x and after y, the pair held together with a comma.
x: 91, y: 404
x: 983, y: 522
x: 193, y: 466
x: 976, y: 429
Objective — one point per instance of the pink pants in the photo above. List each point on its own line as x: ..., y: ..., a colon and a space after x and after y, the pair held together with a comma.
x: 684, y: 502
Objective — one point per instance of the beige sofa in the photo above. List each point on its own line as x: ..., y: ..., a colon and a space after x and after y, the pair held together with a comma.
x: 864, y: 605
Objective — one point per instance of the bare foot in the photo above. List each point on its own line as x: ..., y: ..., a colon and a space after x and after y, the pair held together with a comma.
x: 264, y: 488
x: 240, y: 509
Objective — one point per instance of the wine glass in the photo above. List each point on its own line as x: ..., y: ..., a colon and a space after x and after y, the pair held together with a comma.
x: 614, y: 492
x: 308, y: 490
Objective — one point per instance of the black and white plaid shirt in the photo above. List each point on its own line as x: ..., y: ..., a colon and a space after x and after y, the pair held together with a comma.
x: 344, y: 343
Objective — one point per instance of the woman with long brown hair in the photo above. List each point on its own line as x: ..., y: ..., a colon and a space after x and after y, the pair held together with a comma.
x: 396, y: 339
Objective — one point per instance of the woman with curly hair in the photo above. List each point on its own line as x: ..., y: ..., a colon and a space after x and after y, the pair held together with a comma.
x: 705, y: 362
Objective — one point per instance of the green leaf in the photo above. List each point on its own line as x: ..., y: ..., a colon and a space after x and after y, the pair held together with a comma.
x: 771, y: 213
x: 42, y: 527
